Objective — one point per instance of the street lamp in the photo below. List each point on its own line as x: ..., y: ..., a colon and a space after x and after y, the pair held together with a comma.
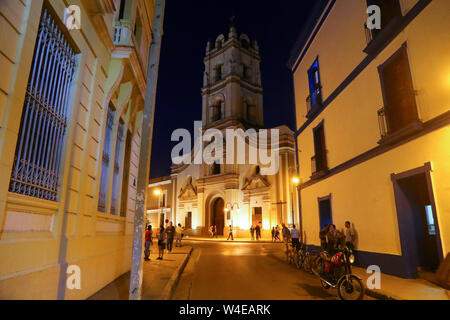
x: 158, y: 192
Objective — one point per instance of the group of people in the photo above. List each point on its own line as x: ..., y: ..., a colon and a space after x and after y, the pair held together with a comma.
x: 332, y: 239
x: 212, y: 231
x: 255, y: 230
x: 165, y: 236
x: 276, y: 234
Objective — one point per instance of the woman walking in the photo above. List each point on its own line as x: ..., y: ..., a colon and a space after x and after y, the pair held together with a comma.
x: 161, y: 243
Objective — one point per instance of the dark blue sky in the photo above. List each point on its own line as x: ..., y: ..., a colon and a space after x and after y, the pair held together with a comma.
x: 188, y: 25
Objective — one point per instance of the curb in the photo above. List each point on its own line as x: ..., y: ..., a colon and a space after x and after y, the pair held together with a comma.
x: 173, y: 281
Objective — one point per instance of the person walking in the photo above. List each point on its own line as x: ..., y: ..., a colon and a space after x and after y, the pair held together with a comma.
x: 170, y: 231
x: 179, y: 235
x: 273, y: 234
x: 214, y: 231
x: 230, y: 233
x: 295, y: 235
x: 252, y: 232
x: 210, y: 230
x: 258, y: 232
x: 161, y: 243
x: 148, y: 240
x: 277, y: 233
x: 349, y: 233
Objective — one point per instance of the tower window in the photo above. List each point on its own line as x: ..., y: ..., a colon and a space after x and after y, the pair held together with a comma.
x: 246, y: 72
x: 216, y: 111
x: 251, y: 113
x: 44, y: 120
x: 245, y: 44
x: 219, y: 72
x: 215, y: 168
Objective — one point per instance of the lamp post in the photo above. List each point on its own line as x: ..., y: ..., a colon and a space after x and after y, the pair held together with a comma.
x: 158, y: 192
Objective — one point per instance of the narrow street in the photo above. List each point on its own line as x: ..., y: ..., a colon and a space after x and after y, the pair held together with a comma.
x: 238, y: 271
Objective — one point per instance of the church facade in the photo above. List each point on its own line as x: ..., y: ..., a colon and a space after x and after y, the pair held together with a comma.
x: 223, y: 193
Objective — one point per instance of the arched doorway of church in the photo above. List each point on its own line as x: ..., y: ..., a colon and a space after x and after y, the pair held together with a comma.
x: 217, y: 216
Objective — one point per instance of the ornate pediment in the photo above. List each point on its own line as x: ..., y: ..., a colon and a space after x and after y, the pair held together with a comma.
x: 188, y: 191
x: 257, y: 181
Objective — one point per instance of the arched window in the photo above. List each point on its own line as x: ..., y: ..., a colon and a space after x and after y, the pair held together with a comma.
x: 216, y: 111
x: 45, y: 115
x: 245, y: 44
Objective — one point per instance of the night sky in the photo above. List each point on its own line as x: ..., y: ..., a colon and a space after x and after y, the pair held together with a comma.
x: 188, y: 25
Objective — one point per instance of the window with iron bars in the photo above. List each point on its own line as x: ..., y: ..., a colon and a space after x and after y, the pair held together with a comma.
x: 116, y: 171
x: 43, y: 124
x: 106, y: 157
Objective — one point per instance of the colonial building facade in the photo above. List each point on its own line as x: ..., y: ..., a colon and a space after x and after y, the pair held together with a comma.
x: 70, y: 120
x: 374, y: 129
x: 223, y: 193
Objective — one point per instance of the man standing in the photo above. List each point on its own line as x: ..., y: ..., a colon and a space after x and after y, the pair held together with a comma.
x: 179, y: 231
x: 286, y: 234
x: 170, y: 232
x: 148, y: 240
x: 295, y: 235
x: 323, y: 237
x: 252, y: 232
x: 349, y: 235
x: 258, y: 232
x: 230, y: 234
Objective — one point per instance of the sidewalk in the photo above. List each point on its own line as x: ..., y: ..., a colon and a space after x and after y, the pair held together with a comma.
x: 403, y: 289
x: 395, y: 288
x: 160, y: 277
x: 224, y: 239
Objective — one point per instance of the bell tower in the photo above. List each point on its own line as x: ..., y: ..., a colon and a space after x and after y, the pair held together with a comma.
x: 232, y: 91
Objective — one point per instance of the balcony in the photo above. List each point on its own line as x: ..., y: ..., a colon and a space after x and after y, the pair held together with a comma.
x: 313, y: 108
x: 389, y: 135
x: 122, y: 33
x: 319, y: 166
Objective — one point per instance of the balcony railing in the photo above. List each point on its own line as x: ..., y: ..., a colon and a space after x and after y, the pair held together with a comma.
x: 313, y: 165
x: 311, y: 108
x: 369, y: 34
x: 122, y: 33
x: 382, y: 122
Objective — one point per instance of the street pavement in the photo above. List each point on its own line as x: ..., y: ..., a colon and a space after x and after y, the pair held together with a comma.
x: 241, y: 271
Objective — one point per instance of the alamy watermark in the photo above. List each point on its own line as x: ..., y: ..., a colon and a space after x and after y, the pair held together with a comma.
x: 210, y: 145
x: 72, y: 17
x: 374, y: 19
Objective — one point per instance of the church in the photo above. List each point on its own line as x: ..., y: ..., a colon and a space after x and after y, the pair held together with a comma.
x: 222, y: 193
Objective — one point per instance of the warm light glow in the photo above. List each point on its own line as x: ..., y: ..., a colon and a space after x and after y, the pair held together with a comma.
x: 238, y: 210
x: 157, y: 192
x: 295, y: 180
x: 226, y: 209
x: 266, y: 225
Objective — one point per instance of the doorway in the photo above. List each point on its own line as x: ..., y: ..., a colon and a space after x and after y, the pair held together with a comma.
x: 417, y: 221
x: 325, y: 216
x: 257, y: 216
x: 188, y: 221
x: 218, y: 217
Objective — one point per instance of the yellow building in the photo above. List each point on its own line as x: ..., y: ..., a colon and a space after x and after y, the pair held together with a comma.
x: 71, y: 105
x: 373, y: 136
x: 160, y: 201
